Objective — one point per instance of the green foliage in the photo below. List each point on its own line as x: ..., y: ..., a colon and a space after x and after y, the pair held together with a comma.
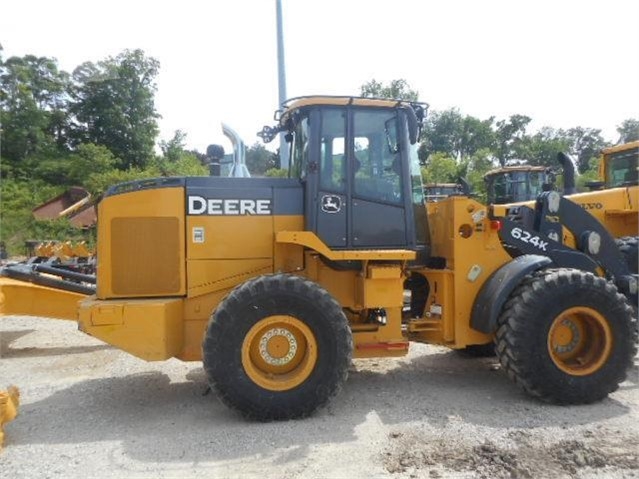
x: 72, y: 169
x: 173, y: 149
x: 33, y: 107
x: 442, y: 130
x: 184, y: 164
x: 276, y: 173
x: 509, y: 136
x: 396, y: 89
x: 259, y: 160
x: 586, y: 144
x: 175, y: 160
x: 440, y: 168
x: 542, y: 147
x: 114, y: 106
x: 98, y: 183
x: 478, y: 165
x: 628, y: 131
x: 458, y: 136
x: 18, y: 198
x: 590, y: 175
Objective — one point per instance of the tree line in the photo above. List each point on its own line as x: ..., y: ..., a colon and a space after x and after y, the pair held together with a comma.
x: 98, y: 126
x: 94, y: 127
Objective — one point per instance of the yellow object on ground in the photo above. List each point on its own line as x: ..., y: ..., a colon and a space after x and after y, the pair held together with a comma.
x: 9, y: 401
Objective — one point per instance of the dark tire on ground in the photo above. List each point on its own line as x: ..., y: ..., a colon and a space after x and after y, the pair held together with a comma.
x: 478, y: 350
x: 629, y: 247
x: 277, y: 347
x: 566, y: 336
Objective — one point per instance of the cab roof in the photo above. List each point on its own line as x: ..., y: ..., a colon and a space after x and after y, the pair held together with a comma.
x: 618, y: 148
x: 300, y: 102
x: 510, y: 169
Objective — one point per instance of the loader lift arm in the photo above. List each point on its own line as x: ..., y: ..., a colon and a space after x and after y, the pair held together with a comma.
x: 540, y: 231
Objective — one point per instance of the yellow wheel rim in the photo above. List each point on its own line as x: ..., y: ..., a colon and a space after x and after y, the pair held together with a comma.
x: 279, y: 353
x: 580, y: 341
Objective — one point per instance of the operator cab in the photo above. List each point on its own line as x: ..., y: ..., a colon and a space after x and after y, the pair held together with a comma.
x: 357, y: 160
x: 621, y: 165
x: 514, y: 184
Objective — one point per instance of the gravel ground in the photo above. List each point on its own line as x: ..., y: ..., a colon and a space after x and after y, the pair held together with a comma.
x: 91, y: 411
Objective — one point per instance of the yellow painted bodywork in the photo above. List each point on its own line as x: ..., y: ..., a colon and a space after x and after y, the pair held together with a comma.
x: 9, y: 402
x: 22, y: 298
x: 469, y: 262
x: 150, y: 329
x: 158, y: 311
x: 616, y: 208
x: 146, y: 229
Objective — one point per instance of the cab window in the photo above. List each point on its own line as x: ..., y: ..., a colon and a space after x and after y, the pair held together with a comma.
x: 333, y: 151
x: 376, y: 156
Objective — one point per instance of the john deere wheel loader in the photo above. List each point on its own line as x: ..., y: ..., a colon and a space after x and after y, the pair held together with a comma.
x: 275, y: 284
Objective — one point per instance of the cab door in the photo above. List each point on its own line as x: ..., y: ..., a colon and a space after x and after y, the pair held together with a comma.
x: 355, y: 196
x: 377, y: 206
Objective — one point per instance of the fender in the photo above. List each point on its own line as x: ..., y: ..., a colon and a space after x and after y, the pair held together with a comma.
x: 498, y: 287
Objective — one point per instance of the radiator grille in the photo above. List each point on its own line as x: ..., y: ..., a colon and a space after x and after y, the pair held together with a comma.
x: 145, y: 257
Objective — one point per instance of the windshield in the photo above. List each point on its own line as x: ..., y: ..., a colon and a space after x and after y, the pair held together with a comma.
x: 516, y: 186
x: 622, y: 168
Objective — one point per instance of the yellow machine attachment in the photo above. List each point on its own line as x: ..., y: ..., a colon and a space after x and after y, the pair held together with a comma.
x: 9, y: 402
x: 24, y: 298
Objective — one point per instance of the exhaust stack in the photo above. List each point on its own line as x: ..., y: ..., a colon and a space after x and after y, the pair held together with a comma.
x: 569, y: 173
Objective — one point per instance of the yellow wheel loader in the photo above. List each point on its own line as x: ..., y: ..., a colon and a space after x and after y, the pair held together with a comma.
x: 518, y: 183
x: 276, y: 283
x: 615, y: 198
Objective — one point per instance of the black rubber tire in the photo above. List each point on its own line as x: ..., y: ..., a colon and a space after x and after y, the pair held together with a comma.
x: 260, y: 298
x: 629, y: 247
x: 524, y: 327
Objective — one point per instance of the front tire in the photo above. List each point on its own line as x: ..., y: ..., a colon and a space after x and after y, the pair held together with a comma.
x: 278, y: 347
x: 629, y: 248
x: 566, y: 336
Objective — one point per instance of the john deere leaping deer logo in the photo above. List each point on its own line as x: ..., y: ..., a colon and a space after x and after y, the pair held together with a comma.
x: 331, y: 204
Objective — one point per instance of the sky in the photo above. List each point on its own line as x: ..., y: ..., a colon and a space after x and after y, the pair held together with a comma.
x: 563, y: 63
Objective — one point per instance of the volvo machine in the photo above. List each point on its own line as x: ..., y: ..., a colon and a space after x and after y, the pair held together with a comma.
x: 613, y: 199
x: 277, y: 283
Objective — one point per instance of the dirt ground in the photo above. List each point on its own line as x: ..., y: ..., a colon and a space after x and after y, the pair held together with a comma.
x: 91, y: 411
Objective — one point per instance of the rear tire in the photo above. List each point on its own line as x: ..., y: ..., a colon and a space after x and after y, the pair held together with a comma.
x: 277, y: 347
x: 566, y: 336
